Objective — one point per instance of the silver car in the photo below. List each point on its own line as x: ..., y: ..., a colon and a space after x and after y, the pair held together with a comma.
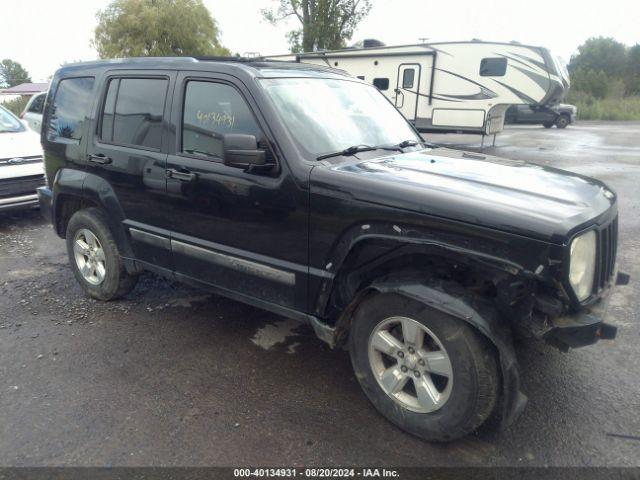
x: 21, y: 170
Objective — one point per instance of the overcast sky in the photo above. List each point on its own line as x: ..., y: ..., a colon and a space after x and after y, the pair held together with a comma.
x: 42, y: 34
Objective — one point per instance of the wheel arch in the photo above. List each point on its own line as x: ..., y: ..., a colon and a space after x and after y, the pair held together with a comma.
x: 364, y: 252
x: 75, y: 190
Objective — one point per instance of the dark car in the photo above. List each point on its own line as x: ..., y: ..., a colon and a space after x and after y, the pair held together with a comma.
x: 559, y: 115
x: 303, y: 191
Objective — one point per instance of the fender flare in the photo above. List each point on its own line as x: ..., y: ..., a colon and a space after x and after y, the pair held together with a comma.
x: 410, y: 237
x: 480, y: 315
x: 97, y: 191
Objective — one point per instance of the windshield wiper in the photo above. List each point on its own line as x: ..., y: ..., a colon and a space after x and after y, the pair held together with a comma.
x: 414, y: 143
x: 359, y: 148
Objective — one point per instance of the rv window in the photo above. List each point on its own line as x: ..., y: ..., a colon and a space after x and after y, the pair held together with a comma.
x: 361, y: 77
x: 493, y: 67
x: 381, y: 83
x: 407, y: 78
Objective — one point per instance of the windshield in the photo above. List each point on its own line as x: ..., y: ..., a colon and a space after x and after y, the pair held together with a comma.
x: 9, y: 123
x: 327, y: 115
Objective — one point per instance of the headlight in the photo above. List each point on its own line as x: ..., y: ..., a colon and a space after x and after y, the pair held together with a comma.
x: 582, y: 264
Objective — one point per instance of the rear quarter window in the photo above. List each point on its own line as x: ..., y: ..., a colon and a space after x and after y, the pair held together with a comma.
x: 69, y: 110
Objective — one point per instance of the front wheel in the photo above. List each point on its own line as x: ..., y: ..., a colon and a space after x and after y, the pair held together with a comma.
x: 94, y: 256
x: 429, y: 373
x: 562, y: 121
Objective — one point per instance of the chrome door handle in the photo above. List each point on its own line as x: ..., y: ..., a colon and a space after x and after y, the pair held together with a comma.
x: 182, y: 176
x: 100, y: 158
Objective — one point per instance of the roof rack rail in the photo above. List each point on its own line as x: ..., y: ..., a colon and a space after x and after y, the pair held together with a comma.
x: 206, y: 58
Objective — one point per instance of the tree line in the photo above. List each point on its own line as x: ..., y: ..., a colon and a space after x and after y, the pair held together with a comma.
x: 604, y: 67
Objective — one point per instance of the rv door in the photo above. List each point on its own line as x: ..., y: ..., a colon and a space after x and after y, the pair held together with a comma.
x: 408, y: 89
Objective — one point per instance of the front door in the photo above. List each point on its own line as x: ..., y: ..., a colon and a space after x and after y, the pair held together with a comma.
x: 244, y: 232
x: 408, y: 89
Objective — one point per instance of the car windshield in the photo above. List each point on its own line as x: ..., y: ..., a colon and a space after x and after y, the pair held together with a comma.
x: 9, y: 123
x: 330, y: 115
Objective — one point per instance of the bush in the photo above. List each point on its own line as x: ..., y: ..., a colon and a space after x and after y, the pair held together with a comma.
x: 16, y: 105
x: 611, y: 108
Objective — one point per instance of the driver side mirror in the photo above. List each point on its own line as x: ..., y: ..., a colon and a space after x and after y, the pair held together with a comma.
x: 241, y: 151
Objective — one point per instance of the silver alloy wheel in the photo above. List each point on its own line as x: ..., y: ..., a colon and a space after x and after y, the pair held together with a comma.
x: 89, y: 256
x: 410, y: 364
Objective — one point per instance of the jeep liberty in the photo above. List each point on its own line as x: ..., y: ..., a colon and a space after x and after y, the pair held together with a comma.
x: 303, y: 191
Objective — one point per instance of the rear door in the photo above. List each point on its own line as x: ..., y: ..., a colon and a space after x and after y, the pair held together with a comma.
x: 408, y: 89
x: 129, y: 151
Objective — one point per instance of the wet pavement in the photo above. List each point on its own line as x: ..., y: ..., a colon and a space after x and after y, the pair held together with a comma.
x: 174, y: 376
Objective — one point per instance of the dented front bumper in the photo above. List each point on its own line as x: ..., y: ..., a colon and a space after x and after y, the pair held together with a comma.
x: 585, y: 327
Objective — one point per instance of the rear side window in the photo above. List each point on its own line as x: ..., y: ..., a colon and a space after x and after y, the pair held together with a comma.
x: 69, y: 110
x: 493, y: 67
x: 408, y: 77
x: 381, y: 83
x: 37, y: 105
x: 133, y: 110
x: 210, y: 111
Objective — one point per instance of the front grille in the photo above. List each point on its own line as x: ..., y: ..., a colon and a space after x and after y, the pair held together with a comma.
x: 14, y: 187
x: 607, y: 247
x: 20, y: 160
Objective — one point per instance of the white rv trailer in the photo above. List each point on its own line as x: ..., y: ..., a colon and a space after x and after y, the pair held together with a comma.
x: 453, y: 86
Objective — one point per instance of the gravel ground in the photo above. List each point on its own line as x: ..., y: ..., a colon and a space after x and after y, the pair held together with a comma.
x: 174, y: 376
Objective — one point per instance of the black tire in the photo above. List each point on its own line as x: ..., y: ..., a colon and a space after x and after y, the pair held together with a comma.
x: 547, y: 125
x: 562, y: 121
x: 117, y: 281
x: 474, y: 364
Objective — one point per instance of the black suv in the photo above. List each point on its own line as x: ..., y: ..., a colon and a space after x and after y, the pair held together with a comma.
x: 303, y: 191
x: 560, y: 115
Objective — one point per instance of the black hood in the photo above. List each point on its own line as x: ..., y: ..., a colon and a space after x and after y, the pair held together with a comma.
x: 508, y: 195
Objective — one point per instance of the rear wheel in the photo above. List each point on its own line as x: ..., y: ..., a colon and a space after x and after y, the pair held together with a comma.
x: 94, y: 256
x: 562, y: 121
x: 429, y: 373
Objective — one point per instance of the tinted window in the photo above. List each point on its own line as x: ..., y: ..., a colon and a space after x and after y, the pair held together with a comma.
x: 381, y: 83
x: 133, y: 110
x: 37, y: 104
x: 210, y: 111
x: 407, y: 78
x: 493, y: 67
x: 70, y: 107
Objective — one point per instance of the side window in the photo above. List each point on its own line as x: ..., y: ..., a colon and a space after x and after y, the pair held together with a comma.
x: 361, y: 77
x: 381, y: 83
x: 210, y: 111
x: 37, y: 104
x: 133, y: 110
x: 408, y: 77
x: 69, y: 110
x: 493, y: 67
